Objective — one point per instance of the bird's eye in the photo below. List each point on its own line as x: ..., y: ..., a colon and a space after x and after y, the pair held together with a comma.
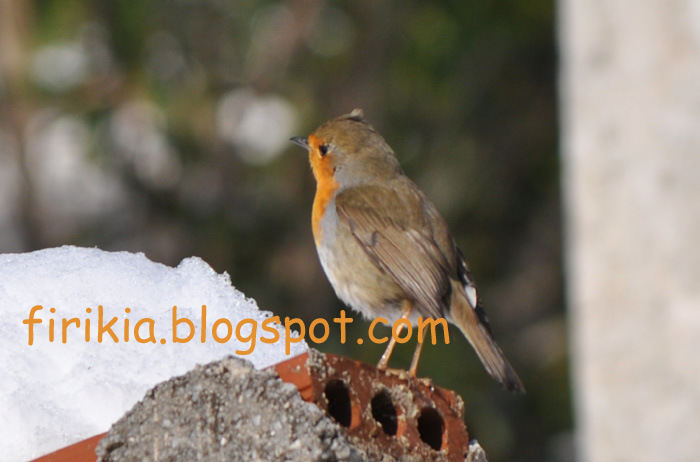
x: 323, y: 149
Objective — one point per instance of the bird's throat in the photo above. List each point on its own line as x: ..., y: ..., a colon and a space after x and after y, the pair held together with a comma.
x: 326, y: 186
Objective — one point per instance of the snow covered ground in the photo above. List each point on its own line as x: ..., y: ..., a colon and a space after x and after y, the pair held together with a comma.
x: 55, y: 393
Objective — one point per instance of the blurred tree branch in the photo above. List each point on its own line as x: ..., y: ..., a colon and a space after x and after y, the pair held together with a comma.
x: 16, y: 30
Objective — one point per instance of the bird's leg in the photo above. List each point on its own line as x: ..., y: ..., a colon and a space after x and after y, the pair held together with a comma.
x: 406, y: 308
x: 416, y: 354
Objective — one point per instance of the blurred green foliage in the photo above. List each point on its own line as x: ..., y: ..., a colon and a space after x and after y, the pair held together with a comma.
x: 161, y: 97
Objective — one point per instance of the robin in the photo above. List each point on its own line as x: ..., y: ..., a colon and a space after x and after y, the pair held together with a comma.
x: 384, y: 246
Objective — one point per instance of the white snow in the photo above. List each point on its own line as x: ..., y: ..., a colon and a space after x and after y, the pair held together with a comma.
x: 53, y: 394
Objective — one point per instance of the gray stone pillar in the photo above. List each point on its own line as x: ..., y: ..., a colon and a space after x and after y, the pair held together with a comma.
x: 630, y: 92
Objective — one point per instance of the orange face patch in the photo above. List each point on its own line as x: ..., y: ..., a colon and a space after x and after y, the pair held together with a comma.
x: 326, y: 185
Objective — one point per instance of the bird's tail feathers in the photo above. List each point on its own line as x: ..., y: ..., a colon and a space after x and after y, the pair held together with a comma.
x: 478, y: 333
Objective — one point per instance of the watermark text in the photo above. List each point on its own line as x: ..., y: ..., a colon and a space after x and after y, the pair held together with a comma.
x: 183, y: 330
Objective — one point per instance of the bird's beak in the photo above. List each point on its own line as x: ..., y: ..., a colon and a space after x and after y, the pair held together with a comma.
x: 300, y: 141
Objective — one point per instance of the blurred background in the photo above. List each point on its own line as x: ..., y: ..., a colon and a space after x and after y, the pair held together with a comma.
x: 162, y: 127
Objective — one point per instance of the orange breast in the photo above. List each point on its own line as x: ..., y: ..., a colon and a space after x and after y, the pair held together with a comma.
x: 326, y: 185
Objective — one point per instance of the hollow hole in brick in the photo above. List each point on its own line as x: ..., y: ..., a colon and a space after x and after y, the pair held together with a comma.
x: 384, y: 411
x: 431, y: 427
x: 339, y: 405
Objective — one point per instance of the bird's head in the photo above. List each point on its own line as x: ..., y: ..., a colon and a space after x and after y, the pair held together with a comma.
x: 348, y: 150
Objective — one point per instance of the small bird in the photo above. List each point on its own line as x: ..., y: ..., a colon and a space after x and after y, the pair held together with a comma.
x: 384, y: 246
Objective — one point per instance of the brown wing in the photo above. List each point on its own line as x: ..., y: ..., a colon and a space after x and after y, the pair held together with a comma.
x: 398, y: 236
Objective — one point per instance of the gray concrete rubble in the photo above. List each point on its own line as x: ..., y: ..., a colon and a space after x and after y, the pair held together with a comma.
x: 225, y: 411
